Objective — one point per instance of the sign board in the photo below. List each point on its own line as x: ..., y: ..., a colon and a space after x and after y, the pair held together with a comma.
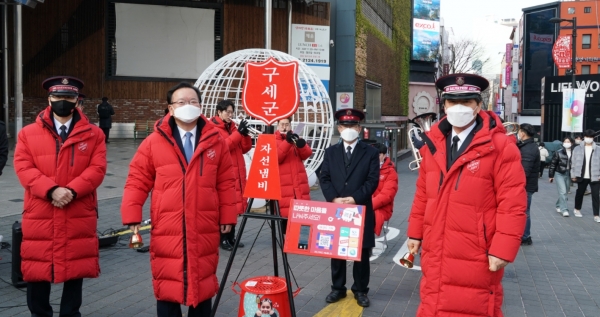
x: 426, y: 40
x: 508, y: 53
x: 263, y: 178
x: 271, y: 90
x: 561, y: 52
x: 515, y: 86
x: 345, y: 100
x: 507, y: 75
x: 310, y: 43
x: 573, y: 107
x: 325, y: 230
x: 553, y: 87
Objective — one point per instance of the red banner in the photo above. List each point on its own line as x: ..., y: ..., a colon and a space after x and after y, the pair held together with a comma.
x: 263, y: 179
x: 561, y: 52
x: 325, y: 230
x: 271, y: 90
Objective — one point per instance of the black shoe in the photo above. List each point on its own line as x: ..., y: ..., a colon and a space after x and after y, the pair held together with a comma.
x: 232, y: 242
x: 225, y: 245
x: 527, y: 241
x: 362, y: 299
x: 335, y: 296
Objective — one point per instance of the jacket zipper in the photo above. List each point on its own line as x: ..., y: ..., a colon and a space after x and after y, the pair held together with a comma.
x: 185, y: 284
x: 485, y: 237
x: 57, y: 151
x: 458, y: 179
x: 72, y: 153
x: 201, y: 164
x: 441, y: 181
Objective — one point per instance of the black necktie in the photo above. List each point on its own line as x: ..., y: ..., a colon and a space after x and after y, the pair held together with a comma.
x: 454, y: 152
x: 349, y: 152
x: 63, y: 133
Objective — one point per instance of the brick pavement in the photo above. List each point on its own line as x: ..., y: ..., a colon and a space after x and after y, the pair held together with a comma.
x: 558, y: 275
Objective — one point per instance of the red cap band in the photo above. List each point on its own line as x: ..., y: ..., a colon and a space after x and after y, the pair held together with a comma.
x: 349, y: 118
x: 461, y: 89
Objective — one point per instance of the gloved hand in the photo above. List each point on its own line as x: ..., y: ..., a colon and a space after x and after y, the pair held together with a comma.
x: 300, y: 143
x: 290, y: 137
x: 243, y: 128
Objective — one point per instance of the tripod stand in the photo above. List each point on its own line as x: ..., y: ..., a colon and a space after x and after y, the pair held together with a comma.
x: 275, y: 219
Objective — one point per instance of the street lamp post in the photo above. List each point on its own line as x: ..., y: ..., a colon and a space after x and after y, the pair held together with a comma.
x: 573, y: 50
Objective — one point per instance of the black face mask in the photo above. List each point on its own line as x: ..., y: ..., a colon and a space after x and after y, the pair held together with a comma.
x: 62, y: 108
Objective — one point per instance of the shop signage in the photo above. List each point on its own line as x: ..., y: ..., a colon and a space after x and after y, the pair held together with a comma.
x: 552, y: 88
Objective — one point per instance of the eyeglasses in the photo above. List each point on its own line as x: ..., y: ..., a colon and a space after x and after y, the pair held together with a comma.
x: 192, y: 102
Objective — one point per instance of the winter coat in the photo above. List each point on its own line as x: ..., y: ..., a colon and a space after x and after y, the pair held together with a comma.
x: 530, y: 158
x: 463, y: 214
x: 292, y: 174
x: 561, y: 163
x: 189, y: 202
x: 60, y: 244
x: 3, y: 146
x: 543, y: 154
x: 238, y: 146
x: 105, y: 113
x: 578, y: 159
x: 383, y: 198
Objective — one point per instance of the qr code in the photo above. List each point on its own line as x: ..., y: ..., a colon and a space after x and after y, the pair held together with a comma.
x: 325, y: 241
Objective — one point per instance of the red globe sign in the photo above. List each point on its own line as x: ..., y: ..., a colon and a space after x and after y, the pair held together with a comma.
x: 271, y: 90
x: 561, y: 52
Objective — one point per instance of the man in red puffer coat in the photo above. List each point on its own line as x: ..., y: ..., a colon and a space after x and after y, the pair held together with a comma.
x: 291, y: 152
x: 383, y: 198
x: 187, y: 166
x: 60, y: 160
x: 239, y: 143
x: 469, y: 207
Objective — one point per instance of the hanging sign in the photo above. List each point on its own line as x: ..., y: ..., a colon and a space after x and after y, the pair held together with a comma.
x: 561, y: 52
x: 271, y: 90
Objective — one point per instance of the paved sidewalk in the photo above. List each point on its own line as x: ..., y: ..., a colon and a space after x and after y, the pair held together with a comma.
x: 559, y: 275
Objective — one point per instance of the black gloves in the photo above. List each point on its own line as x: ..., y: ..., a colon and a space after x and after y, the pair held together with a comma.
x: 243, y: 128
x: 293, y: 138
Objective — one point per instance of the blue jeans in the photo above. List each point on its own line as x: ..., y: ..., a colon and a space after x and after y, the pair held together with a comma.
x: 527, y: 232
x: 562, y: 185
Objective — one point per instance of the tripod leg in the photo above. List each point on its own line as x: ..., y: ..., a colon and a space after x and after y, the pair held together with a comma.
x: 286, y: 265
x: 272, y: 205
x: 230, y: 261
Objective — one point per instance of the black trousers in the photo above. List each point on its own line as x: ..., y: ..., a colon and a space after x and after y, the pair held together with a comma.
x: 38, y: 299
x: 170, y: 309
x: 361, y: 272
x: 581, y: 186
x: 106, y: 133
x: 542, y: 166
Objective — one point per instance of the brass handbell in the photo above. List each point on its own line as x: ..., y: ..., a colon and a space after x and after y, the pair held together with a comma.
x: 407, y: 260
x: 135, y: 241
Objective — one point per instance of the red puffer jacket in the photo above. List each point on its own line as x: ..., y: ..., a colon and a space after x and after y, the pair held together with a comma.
x: 238, y: 146
x: 60, y: 244
x: 294, y: 181
x: 188, y: 204
x: 383, y: 198
x: 474, y: 209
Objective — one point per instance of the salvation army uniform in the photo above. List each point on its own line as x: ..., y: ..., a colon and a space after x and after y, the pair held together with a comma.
x: 357, y: 177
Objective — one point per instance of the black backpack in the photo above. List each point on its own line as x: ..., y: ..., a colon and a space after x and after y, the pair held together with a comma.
x: 103, y: 111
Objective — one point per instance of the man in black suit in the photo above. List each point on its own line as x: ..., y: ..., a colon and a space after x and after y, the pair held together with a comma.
x: 350, y: 175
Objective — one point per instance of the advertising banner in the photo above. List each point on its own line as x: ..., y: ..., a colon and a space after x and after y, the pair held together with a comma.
x: 427, y: 10
x: 345, y: 100
x: 426, y: 40
x: 310, y: 43
x: 573, y: 106
x: 324, y: 229
x: 561, y: 52
x: 507, y: 75
x: 508, y: 55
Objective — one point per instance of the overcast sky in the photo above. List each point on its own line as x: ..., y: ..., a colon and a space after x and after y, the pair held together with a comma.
x: 463, y: 16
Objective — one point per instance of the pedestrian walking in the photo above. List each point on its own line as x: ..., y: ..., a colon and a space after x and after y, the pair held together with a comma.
x: 468, y: 213
x: 187, y: 166
x: 239, y: 143
x: 383, y: 198
x: 105, y: 113
x: 585, y: 170
x: 559, y: 172
x: 60, y: 160
x: 291, y: 152
x: 3, y: 146
x: 350, y: 175
x: 530, y: 159
x: 544, y: 157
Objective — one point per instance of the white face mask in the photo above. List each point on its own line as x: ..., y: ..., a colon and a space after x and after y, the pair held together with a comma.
x: 567, y: 145
x: 349, y: 134
x: 577, y: 141
x: 588, y: 140
x: 460, y: 115
x: 187, y: 113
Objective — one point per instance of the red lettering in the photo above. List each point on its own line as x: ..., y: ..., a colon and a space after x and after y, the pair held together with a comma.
x: 425, y: 26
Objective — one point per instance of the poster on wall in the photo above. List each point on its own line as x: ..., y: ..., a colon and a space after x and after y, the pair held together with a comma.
x: 426, y: 40
x: 573, y: 107
x: 310, y: 43
x: 345, y: 100
x: 427, y: 10
x: 324, y: 229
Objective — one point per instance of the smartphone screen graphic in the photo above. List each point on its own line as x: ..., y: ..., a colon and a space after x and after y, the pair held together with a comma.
x: 304, y: 237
